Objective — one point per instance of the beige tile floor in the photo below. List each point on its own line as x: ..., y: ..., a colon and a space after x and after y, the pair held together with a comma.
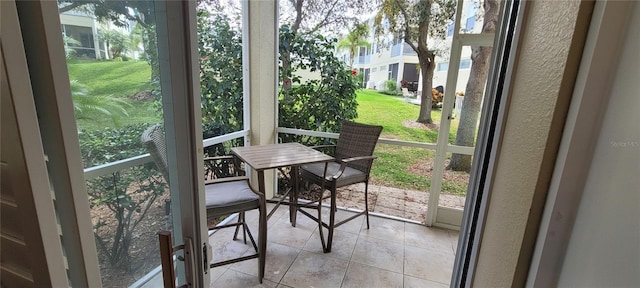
x: 390, y: 254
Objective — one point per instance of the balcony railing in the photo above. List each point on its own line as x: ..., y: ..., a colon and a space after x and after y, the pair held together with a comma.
x: 407, y: 50
x: 112, y: 168
x: 396, y: 50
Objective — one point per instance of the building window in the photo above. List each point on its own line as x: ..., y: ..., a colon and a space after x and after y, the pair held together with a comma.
x: 393, y: 71
x: 465, y: 63
x: 374, y: 70
x: 471, y: 22
x: 450, y: 30
x: 383, y: 67
x: 443, y: 66
x: 83, y: 44
x: 470, y: 12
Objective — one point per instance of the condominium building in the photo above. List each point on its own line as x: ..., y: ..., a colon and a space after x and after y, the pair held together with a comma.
x: 396, y: 60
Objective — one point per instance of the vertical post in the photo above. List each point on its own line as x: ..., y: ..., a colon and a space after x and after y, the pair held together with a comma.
x: 445, y: 121
x: 263, y: 71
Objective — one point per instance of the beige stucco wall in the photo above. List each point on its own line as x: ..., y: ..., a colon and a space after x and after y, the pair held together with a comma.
x: 550, y: 48
x: 384, y: 59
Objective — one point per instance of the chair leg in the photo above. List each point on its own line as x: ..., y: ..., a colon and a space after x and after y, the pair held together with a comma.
x: 244, y: 228
x: 332, y: 218
x: 366, y: 202
x: 241, y: 222
x: 320, y: 228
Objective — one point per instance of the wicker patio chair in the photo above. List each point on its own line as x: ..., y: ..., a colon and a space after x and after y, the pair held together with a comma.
x: 224, y: 196
x: 354, y: 156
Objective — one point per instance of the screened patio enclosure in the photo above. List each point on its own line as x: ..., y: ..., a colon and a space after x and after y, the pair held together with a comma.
x: 257, y: 123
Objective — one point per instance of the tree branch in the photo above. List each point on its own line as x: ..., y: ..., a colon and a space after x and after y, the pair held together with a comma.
x: 141, y: 22
x: 407, y: 30
x: 423, y: 30
x: 70, y: 7
x: 298, y: 6
x: 326, y: 17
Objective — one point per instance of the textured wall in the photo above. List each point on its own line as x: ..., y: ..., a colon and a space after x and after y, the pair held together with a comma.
x: 262, y: 60
x: 604, y: 250
x: 548, y: 55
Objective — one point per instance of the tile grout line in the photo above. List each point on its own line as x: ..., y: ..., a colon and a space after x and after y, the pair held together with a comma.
x: 404, y: 246
x: 352, y: 251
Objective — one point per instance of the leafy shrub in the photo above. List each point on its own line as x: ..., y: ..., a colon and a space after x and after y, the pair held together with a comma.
x: 128, y: 194
x: 91, y: 107
x: 391, y: 87
x: 212, y: 129
x: 221, y: 73
x: 68, y: 42
x: 360, y: 77
x: 111, y: 144
x: 117, y: 42
x: 318, y: 105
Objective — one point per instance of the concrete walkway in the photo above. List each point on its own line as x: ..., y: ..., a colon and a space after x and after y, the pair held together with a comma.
x: 408, y: 204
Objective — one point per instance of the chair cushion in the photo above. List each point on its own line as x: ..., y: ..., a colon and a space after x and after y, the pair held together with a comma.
x: 230, y: 197
x: 314, y: 173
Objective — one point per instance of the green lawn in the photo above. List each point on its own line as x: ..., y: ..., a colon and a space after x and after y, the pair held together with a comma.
x: 119, y: 79
x: 112, y: 78
x: 403, y: 167
x: 391, y: 112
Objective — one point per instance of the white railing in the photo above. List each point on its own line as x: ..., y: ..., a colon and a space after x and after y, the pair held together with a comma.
x: 110, y: 168
x: 431, y: 146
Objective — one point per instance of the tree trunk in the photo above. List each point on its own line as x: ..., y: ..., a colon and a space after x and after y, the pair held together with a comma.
x: 471, y: 107
x: 286, y: 66
x: 286, y: 55
x: 427, y: 68
x: 480, y: 57
x: 352, y: 55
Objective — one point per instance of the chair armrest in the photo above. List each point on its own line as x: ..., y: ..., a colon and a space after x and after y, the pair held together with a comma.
x: 347, y: 160
x: 344, y: 163
x: 322, y: 146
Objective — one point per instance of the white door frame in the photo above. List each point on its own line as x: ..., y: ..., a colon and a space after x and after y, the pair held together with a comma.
x: 437, y: 215
x: 180, y: 84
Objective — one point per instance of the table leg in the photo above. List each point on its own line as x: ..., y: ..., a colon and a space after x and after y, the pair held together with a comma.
x: 261, y: 184
x: 293, y: 196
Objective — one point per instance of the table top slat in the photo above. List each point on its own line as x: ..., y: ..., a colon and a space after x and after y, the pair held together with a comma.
x: 272, y: 156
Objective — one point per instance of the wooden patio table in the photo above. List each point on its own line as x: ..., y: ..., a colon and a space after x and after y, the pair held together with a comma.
x: 277, y: 156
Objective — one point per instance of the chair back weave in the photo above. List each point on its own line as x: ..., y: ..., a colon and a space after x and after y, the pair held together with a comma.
x: 355, y: 140
x: 153, y: 139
